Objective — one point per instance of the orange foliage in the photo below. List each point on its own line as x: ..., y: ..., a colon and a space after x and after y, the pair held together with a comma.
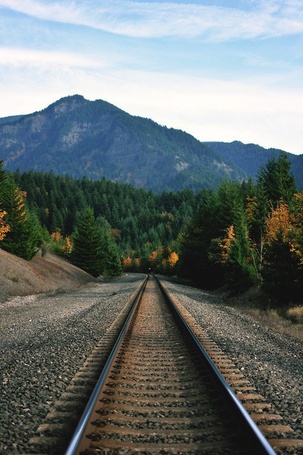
x: 173, y: 259
x: 226, y: 243
x: 67, y: 247
x: 4, y: 227
x: 56, y: 236
x: 127, y: 262
x: 19, y: 199
x: 279, y: 221
x: 288, y: 225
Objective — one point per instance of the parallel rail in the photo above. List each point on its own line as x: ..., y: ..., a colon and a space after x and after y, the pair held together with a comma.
x: 150, y: 401
x: 79, y: 432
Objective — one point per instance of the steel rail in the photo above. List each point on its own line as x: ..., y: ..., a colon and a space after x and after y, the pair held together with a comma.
x: 254, y: 436
x: 75, y: 441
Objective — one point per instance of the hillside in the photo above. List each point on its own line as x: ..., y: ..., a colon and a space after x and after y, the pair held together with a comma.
x: 250, y: 157
x: 50, y: 273
x: 77, y: 137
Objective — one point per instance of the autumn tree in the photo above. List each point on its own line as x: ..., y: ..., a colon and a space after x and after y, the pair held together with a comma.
x: 233, y: 252
x: 4, y: 227
x: 60, y: 245
x: 282, y: 271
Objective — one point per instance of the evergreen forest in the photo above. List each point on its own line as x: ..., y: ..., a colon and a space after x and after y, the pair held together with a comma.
x: 239, y: 235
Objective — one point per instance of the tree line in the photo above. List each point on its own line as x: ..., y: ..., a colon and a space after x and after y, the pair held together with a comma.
x: 249, y: 233
x: 240, y: 234
x: 141, y: 226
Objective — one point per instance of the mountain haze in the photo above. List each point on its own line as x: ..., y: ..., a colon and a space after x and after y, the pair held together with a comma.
x: 77, y: 137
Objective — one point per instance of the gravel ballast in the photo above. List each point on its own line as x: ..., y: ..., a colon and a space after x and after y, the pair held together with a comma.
x: 46, y: 338
x: 272, y: 361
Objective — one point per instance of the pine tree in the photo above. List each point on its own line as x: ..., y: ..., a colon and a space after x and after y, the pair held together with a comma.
x: 281, y: 271
x: 276, y: 180
x: 87, y: 244
x: 24, y: 237
x: 240, y: 272
x: 111, y: 260
x: 194, y: 261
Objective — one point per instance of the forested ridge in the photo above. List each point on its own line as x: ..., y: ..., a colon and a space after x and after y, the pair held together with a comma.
x: 239, y: 235
x: 95, y: 139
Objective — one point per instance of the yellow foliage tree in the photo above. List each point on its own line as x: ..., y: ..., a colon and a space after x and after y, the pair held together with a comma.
x: 173, y: 259
x: 4, y: 227
x: 127, y: 263
x: 279, y: 222
x: 57, y: 237
x: 67, y: 246
x: 225, y: 244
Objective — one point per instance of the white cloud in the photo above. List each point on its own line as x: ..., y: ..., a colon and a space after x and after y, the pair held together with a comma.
x: 15, y: 57
x: 213, y: 23
x: 263, y: 109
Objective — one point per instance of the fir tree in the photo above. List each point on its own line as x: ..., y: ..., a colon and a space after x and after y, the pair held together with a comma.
x: 276, y: 180
x: 87, y: 244
x: 111, y: 261
x: 24, y: 237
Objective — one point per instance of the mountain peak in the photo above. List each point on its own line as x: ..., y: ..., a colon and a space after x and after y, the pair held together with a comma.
x: 66, y: 104
x: 78, y: 137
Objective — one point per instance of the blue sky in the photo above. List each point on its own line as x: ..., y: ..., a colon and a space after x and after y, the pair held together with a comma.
x: 221, y: 70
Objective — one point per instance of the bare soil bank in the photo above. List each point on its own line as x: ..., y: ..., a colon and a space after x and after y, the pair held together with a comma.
x: 41, y: 274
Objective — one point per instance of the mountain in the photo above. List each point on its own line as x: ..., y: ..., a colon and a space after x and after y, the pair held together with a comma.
x: 250, y: 157
x: 77, y: 137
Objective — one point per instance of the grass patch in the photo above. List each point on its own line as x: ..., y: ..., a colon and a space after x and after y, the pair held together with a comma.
x: 295, y: 314
x: 286, y: 320
x: 14, y: 278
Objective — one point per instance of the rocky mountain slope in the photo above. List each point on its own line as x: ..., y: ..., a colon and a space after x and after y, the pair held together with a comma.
x: 78, y: 137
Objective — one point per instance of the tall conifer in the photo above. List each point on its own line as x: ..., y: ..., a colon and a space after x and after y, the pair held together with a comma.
x: 87, y: 241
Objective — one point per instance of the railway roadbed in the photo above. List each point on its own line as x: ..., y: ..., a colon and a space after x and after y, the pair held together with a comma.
x: 43, y: 349
x: 45, y: 339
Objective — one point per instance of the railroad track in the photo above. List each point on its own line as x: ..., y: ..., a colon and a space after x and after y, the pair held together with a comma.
x: 157, y: 393
x: 160, y: 395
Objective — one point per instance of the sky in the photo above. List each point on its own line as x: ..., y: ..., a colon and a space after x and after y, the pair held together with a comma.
x: 221, y: 70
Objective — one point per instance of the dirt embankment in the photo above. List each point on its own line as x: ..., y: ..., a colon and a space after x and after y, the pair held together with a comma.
x: 41, y: 274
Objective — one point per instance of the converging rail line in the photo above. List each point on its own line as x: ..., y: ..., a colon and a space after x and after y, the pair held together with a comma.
x: 161, y: 393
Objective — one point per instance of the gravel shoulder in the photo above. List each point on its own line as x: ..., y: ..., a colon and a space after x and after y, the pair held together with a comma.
x: 270, y: 359
x: 45, y: 340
